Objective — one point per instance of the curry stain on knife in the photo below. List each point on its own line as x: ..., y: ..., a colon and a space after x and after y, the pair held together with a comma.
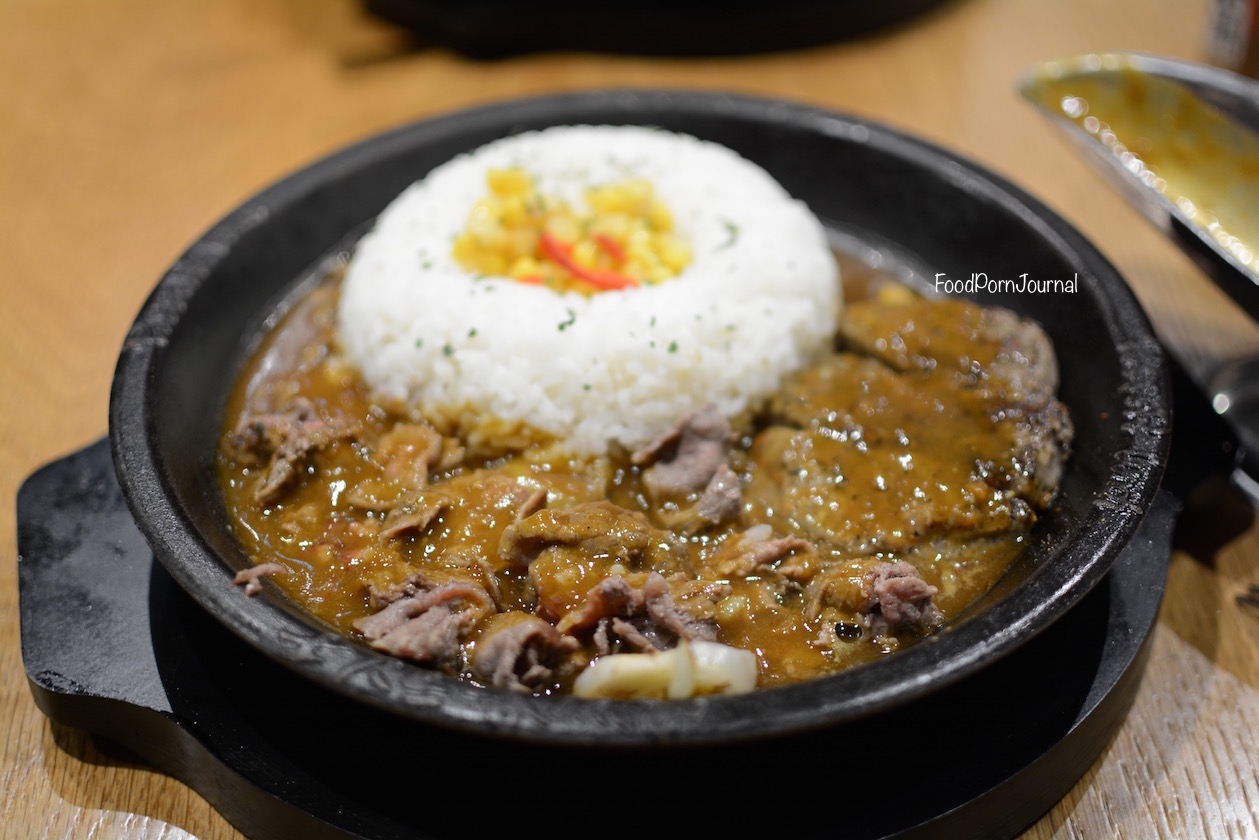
x: 1161, y: 139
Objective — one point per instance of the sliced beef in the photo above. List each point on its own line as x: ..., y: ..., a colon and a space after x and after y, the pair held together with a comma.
x: 433, y: 636
x: 898, y: 599
x: 407, y: 455
x: 722, y: 499
x: 937, y: 421
x: 382, y: 594
x: 521, y: 652
x: 251, y: 578
x: 620, y: 616
x: 757, y: 549
x: 469, y: 501
x: 533, y: 504
x: 610, y: 597
x: 1025, y: 365
x: 1043, y: 440
x: 593, y: 529
x: 408, y: 451
x: 1024, y: 375
x: 664, y: 614
x: 565, y: 551
x: 1005, y: 360
x: 413, y: 518
x: 618, y: 635
x: 284, y: 439
x: 685, y: 459
x: 427, y: 626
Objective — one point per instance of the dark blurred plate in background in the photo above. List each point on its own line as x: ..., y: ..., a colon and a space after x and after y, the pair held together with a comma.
x: 497, y: 28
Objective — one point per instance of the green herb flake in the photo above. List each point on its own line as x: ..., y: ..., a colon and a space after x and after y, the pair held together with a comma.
x: 673, y: 347
x: 732, y: 230
x: 572, y: 319
x: 472, y: 333
x: 447, y: 350
x: 419, y: 342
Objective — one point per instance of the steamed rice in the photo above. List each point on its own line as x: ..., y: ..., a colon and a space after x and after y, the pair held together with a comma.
x: 489, y: 357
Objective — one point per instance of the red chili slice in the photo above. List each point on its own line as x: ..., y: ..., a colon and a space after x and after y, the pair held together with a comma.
x: 562, y: 254
x: 611, y: 246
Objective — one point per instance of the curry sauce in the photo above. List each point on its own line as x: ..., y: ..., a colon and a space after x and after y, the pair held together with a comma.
x: 884, y: 488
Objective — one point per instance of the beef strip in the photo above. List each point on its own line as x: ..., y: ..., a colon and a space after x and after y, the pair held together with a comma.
x: 381, y: 595
x: 413, y: 518
x: 592, y: 529
x: 612, y: 596
x: 407, y: 455
x: 376, y: 626
x: 664, y: 613
x: 757, y: 549
x: 720, y: 502
x: 643, y: 618
x: 898, y: 599
x: 432, y: 636
x: 533, y: 504
x: 408, y: 451
x: 521, y: 652
x: 479, y: 494
x: 722, y: 499
x: 685, y: 459
x: 618, y: 635
x: 285, y: 438
x: 251, y: 578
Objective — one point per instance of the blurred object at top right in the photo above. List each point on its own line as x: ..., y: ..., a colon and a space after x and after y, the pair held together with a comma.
x: 1233, y: 37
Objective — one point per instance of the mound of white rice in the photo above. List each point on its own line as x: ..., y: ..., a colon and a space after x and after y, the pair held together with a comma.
x: 760, y: 297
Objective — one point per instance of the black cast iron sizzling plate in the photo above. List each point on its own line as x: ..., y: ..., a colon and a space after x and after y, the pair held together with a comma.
x: 192, y: 335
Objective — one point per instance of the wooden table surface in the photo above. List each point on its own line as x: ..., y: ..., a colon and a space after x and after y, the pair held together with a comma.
x: 129, y: 127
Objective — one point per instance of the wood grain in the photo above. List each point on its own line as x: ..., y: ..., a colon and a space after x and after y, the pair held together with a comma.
x: 129, y: 127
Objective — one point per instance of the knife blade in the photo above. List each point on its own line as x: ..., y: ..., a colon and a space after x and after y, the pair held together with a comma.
x: 1179, y: 140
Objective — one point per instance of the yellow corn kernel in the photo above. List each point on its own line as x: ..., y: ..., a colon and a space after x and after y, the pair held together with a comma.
x: 563, y: 227
x: 522, y: 241
x: 512, y: 210
x: 525, y: 267
x: 585, y: 252
x: 490, y: 236
x: 673, y: 253
x: 493, y: 263
x: 606, y: 199
x: 616, y: 226
x: 659, y: 217
x: 509, y: 182
x: 501, y: 237
x: 465, y: 247
x: 639, y: 238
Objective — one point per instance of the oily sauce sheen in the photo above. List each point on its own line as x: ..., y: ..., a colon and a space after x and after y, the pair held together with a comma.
x: 883, y: 489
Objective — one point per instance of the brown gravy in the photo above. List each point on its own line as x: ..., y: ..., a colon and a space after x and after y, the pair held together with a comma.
x: 931, y: 437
